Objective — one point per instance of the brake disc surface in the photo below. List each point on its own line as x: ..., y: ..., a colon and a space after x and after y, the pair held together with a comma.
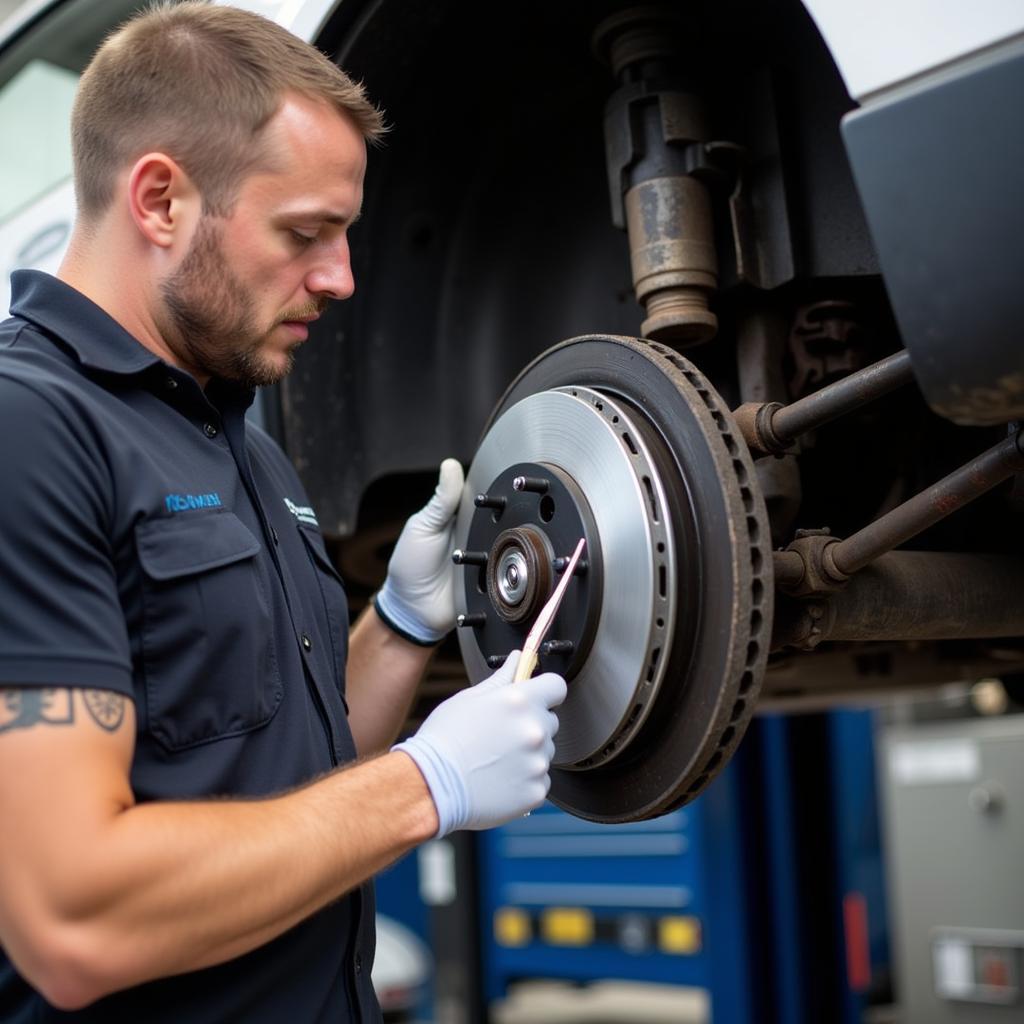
x: 579, y: 433
x: 664, y: 637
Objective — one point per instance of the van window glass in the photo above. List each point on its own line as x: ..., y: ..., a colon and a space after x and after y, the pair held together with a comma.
x: 38, y: 76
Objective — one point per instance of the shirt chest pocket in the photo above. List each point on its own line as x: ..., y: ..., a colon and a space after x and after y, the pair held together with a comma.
x: 207, y: 637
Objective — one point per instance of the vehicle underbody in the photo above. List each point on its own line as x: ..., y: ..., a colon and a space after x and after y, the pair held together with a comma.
x: 742, y: 534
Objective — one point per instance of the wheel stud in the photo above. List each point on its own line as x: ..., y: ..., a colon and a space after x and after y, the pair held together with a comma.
x: 473, y: 619
x: 557, y: 647
x: 537, y: 484
x: 559, y: 565
x: 496, y: 660
x: 495, y: 501
x: 460, y: 557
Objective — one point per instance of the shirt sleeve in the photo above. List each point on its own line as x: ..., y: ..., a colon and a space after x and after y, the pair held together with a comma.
x: 61, y: 622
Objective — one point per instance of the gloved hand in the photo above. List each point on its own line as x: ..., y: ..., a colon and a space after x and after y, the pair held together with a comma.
x: 418, y: 596
x: 485, y: 753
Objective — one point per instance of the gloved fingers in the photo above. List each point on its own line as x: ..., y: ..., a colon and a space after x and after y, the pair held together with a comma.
x: 553, y: 724
x: 450, y: 481
x: 445, y: 499
x: 536, y: 792
x: 547, y: 788
x: 549, y: 688
x: 548, y: 749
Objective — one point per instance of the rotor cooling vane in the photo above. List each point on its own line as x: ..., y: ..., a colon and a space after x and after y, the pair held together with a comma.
x: 663, y: 634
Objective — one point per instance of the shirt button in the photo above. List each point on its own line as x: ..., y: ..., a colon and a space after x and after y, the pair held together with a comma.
x: 306, y: 642
x: 171, y: 384
x: 359, y: 963
x: 210, y: 430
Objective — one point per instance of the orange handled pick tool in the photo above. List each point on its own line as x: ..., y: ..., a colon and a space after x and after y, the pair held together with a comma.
x: 528, y: 660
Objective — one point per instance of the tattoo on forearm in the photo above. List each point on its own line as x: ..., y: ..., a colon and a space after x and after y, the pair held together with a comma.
x: 106, y: 708
x: 28, y: 706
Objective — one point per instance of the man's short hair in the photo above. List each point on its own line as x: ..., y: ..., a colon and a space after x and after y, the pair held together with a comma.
x: 198, y: 83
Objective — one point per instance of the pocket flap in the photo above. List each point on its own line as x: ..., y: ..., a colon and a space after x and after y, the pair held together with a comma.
x: 192, y: 543
x: 315, y: 545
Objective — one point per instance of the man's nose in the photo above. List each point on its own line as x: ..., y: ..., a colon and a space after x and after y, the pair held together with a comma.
x: 333, y: 276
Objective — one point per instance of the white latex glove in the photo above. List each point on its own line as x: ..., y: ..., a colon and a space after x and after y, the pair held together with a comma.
x: 418, y: 596
x: 485, y: 753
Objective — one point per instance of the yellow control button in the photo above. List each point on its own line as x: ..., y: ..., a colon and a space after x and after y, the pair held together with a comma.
x: 679, y: 935
x: 567, y: 926
x: 512, y: 927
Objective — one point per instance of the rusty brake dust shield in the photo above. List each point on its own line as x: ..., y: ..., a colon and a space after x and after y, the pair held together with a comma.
x: 663, y: 634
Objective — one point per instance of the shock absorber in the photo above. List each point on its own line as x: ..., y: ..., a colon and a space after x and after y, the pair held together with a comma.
x: 655, y: 137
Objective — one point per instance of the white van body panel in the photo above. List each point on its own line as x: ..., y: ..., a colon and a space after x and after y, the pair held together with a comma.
x: 36, y: 238
x: 878, y: 44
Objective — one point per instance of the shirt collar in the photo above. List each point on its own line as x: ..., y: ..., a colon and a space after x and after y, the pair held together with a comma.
x: 98, y: 340
x: 95, y: 337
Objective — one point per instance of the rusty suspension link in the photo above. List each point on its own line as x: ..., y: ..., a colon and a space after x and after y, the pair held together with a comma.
x: 817, y: 563
x: 911, y: 595
x: 770, y: 428
x: 950, y: 494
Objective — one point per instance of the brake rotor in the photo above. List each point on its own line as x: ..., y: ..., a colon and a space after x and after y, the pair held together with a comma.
x: 663, y: 635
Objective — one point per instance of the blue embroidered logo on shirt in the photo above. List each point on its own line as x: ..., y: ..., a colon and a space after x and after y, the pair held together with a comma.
x: 184, y: 502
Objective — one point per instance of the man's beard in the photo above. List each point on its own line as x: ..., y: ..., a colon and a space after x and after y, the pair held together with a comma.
x: 211, y: 317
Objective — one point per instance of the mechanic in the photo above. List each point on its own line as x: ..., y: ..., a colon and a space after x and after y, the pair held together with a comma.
x: 187, y: 832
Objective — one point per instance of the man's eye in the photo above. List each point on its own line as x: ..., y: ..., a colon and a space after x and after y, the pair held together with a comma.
x: 303, y: 239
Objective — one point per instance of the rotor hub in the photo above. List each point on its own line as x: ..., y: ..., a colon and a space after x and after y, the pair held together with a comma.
x: 514, y: 580
x: 523, y: 527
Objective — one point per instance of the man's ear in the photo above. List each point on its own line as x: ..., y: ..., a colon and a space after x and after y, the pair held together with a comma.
x: 164, y: 202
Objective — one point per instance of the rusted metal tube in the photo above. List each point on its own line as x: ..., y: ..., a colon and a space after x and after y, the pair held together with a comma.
x: 911, y: 595
x: 789, y: 569
x: 951, y: 493
x: 770, y: 428
x: 659, y: 163
x: 845, y: 395
x: 920, y: 595
x: 672, y: 252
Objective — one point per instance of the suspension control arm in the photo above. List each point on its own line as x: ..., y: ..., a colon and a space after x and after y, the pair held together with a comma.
x: 911, y: 595
x: 951, y: 493
x: 770, y: 428
x: 818, y: 563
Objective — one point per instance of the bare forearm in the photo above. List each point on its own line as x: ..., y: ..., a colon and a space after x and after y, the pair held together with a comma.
x: 167, y: 888
x: 381, y: 679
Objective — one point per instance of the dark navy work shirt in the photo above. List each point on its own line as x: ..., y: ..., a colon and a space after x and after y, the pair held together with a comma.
x: 154, y: 543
